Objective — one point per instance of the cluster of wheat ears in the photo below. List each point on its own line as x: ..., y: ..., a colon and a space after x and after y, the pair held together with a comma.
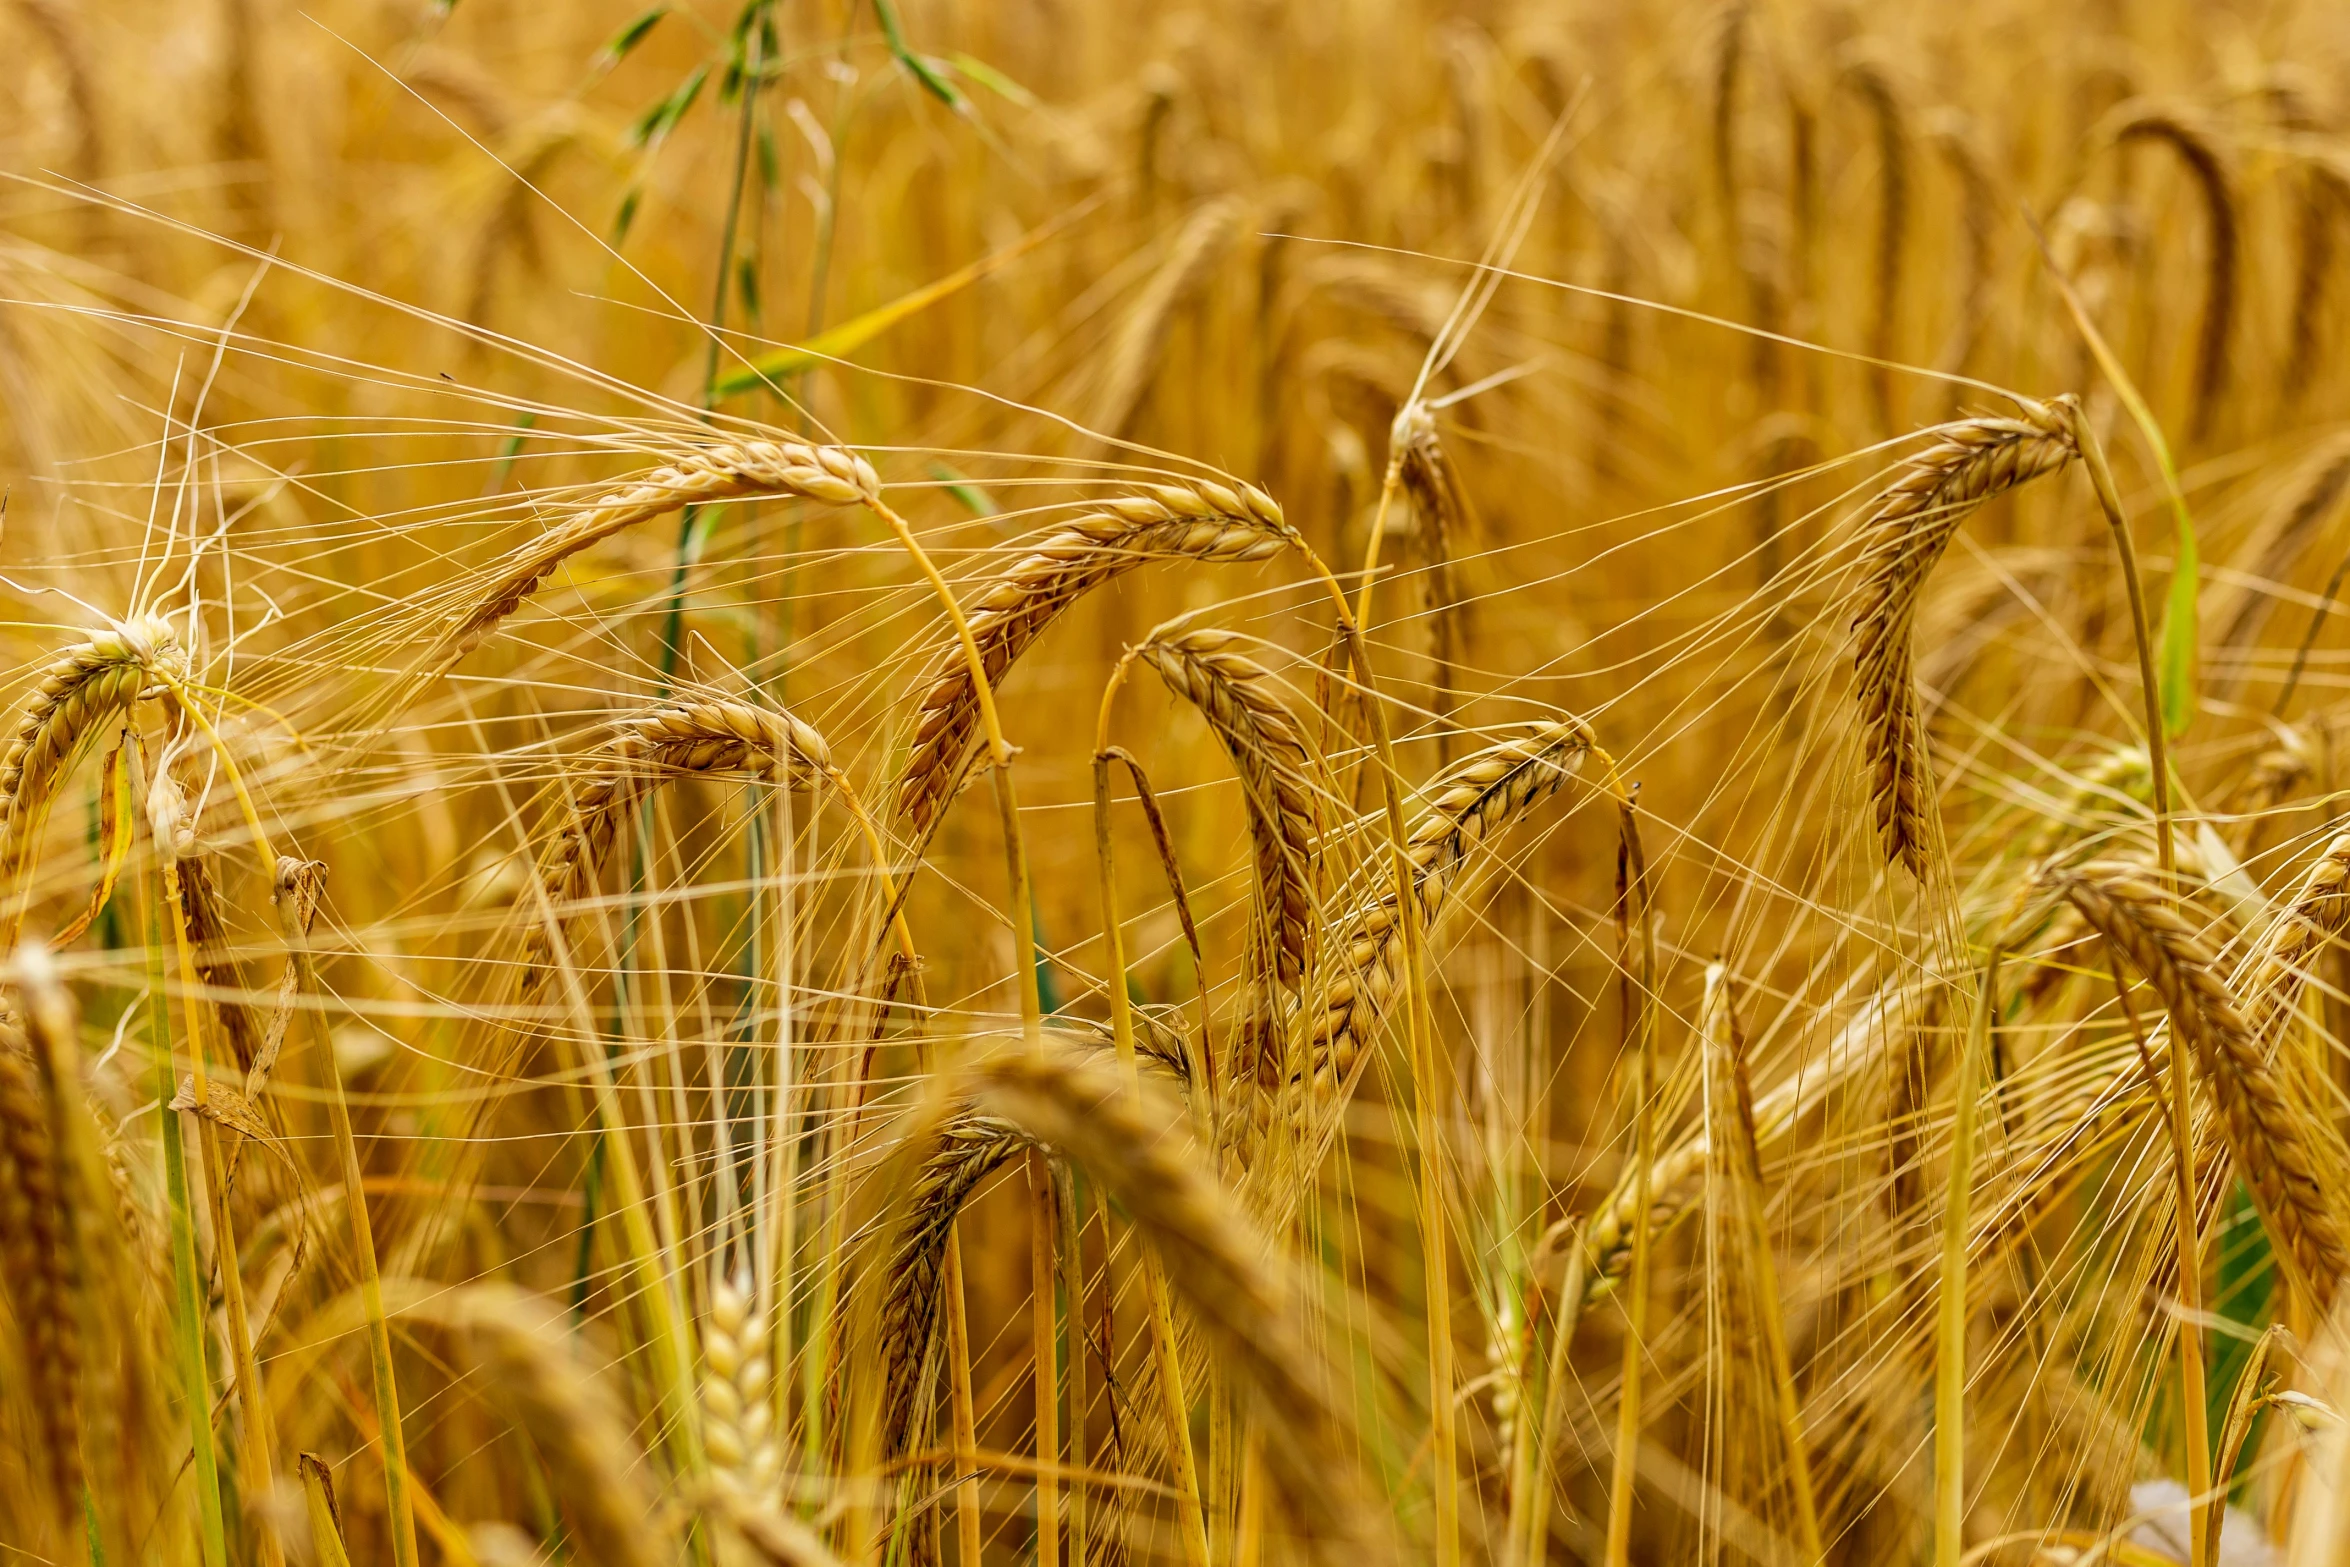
x: 1377, y: 781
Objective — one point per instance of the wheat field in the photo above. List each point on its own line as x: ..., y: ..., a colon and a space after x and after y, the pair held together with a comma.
x: 866, y: 783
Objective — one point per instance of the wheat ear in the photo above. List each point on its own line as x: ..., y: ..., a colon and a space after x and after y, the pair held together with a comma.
x: 2325, y: 198
x: 1971, y: 461
x: 2263, y: 1136
x: 673, y: 740
x: 1200, y: 521
x: 1241, y: 702
x: 1135, y: 1146
x: 528, y: 1371
x: 38, y: 1258
x: 1874, y: 88
x: 738, y: 1416
x: 1134, y: 352
x: 969, y: 1148
x: 2320, y: 911
x: 1440, y: 510
x: 2220, y: 276
x: 734, y: 471
x: 1473, y: 801
x: 74, y: 697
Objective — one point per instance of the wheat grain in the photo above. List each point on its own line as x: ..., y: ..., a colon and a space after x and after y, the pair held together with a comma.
x: 2262, y: 1132
x: 1201, y: 521
x: 2325, y: 200
x: 1472, y: 803
x: 1971, y: 461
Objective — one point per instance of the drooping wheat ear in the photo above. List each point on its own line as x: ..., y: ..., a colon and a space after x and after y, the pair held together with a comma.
x: 1242, y: 703
x: 708, y: 737
x: 39, y: 1258
x: 1440, y: 514
x: 60, y: 29
x: 1971, y: 461
x: 2281, y: 540
x: 1199, y: 521
x: 1137, y: 1148
x: 1472, y: 802
x: 830, y: 474
x: 2320, y: 911
x: 1874, y: 88
x: 1978, y: 214
x: 970, y: 1148
x: 527, y: 1370
x: 200, y: 906
x: 2220, y: 278
x: 80, y: 690
x: 1675, y: 1180
x: 1133, y: 355
x: 2264, y: 1138
x: 737, y: 1411
x: 2325, y: 198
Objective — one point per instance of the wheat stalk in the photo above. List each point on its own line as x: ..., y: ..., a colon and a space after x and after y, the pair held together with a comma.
x: 1971, y: 461
x: 1133, y: 354
x: 1472, y: 803
x: 833, y: 475
x: 1200, y: 521
x: 2263, y: 1135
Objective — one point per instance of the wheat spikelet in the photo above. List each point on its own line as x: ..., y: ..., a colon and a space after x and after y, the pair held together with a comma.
x: 737, y: 1415
x: 1136, y: 1148
x: 2219, y: 210
x: 1199, y: 521
x: 527, y: 1370
x: 1971, y: 461
x: 38, y: 1258
x: 831, y: 474
x: 1472, y: 803
x: 77, y: 694
x: 705, y: 737
x: 2263, y: 1135
x: 1240, y: 700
